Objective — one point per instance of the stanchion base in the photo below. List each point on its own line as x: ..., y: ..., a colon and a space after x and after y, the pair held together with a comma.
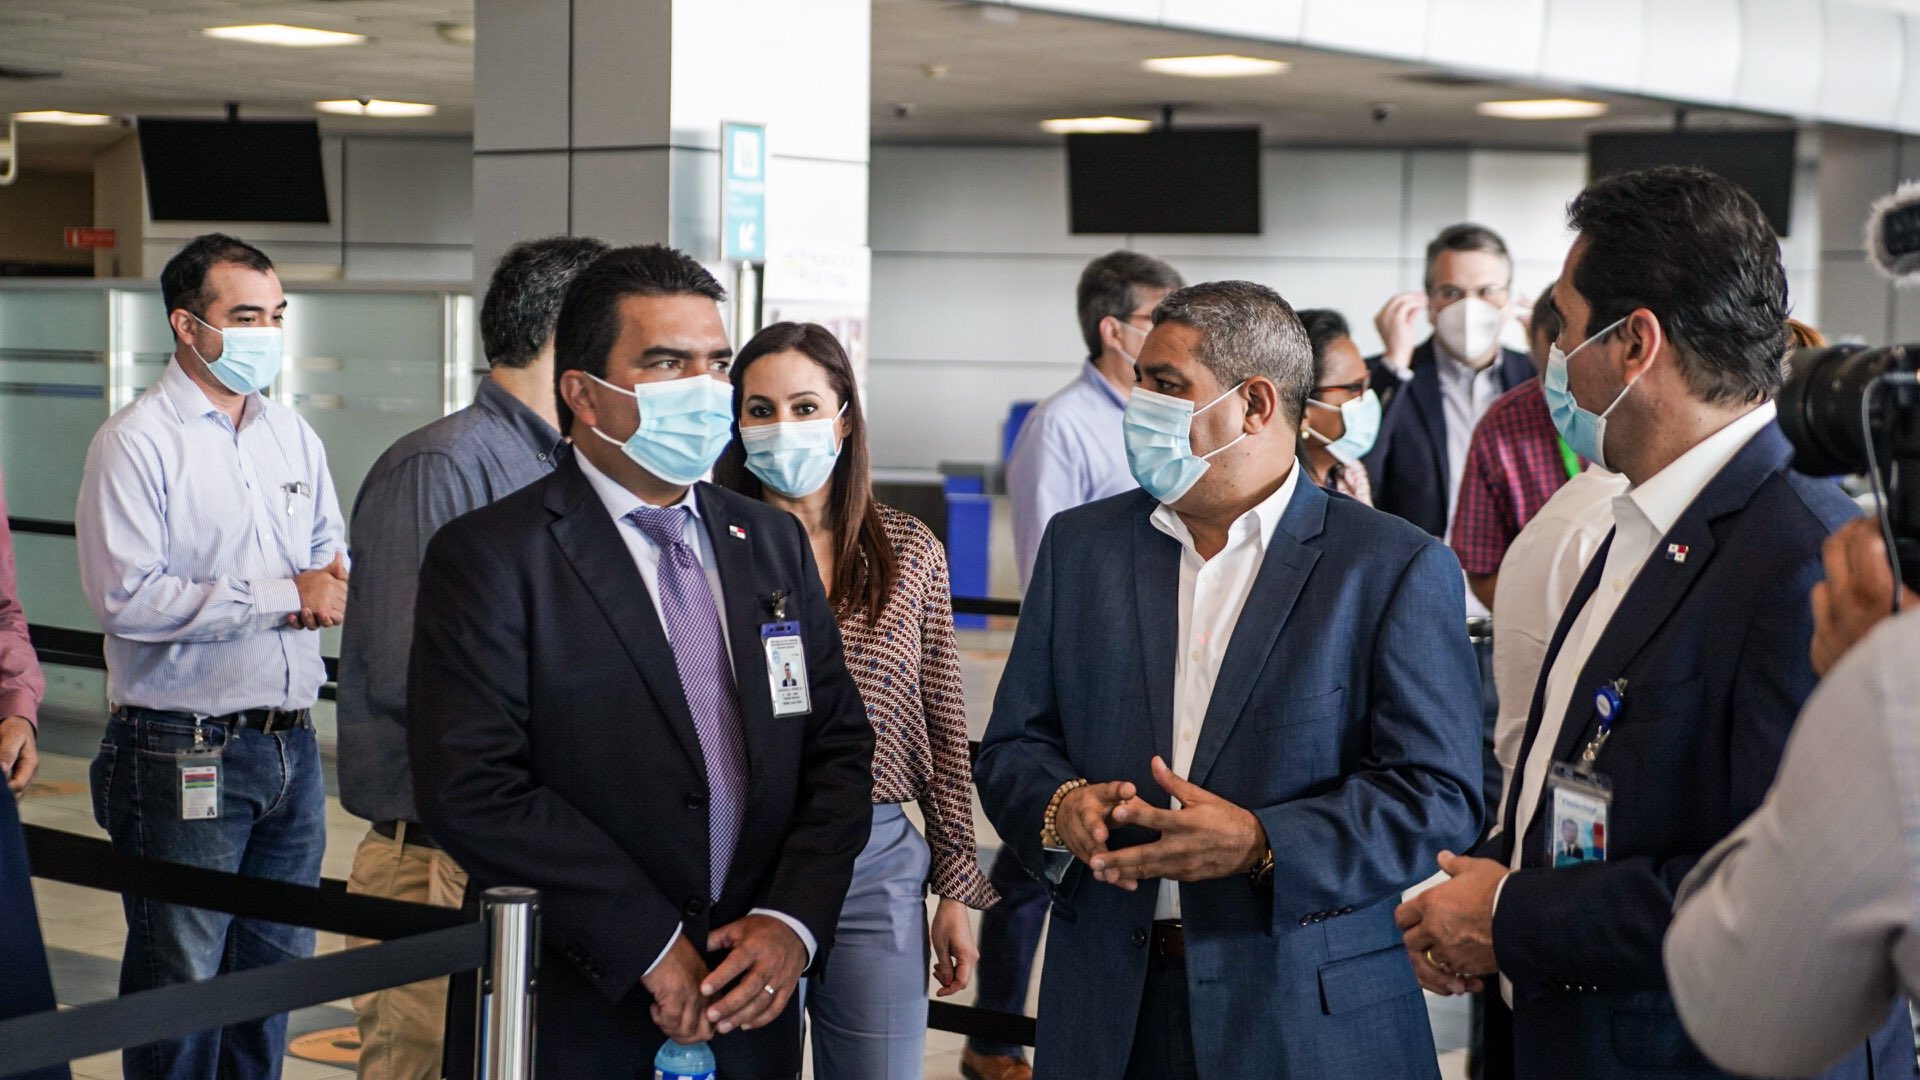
x: 334, y: 1046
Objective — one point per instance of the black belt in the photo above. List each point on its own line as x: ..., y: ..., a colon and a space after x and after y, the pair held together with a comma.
x: 417, y: 835
x: 1479, y: 629
x: 266, y: 721
x: 1169, y: 940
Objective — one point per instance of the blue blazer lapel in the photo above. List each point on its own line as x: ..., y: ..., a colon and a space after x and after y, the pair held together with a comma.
x: 1424, y: 389
x: 1283, y: 573
x: 1156, y: 592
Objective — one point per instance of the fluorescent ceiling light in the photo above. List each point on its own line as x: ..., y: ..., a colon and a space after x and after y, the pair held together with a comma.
x: 60, y: 116
x: 1095, y: 125
x: 1217, y: 66
x: 390, y: 110
x: 1543, y: 109
x: 296, y: 37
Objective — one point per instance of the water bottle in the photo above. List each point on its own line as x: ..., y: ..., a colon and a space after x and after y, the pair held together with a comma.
x: 676, y: 1061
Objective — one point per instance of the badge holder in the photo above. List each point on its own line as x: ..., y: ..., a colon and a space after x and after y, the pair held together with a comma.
x: 1578, y: 798
x: 786, y: 660
x: 200, y: 779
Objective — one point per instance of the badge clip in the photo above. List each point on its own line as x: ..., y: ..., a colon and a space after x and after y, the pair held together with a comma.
x: 777, y: 601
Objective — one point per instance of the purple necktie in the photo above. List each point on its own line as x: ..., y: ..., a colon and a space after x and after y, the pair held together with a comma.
x: 700, y: 654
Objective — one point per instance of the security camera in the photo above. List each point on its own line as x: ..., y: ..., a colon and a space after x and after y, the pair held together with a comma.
x: 1381, y: 111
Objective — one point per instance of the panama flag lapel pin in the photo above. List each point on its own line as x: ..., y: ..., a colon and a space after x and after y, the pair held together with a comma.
x: 736, y: 532
x: 1677, y: 553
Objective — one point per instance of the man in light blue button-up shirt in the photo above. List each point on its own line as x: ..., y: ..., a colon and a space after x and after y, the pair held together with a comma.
x: 211, y: 549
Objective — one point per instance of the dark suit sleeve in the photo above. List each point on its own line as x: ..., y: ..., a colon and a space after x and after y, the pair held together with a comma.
x: 1418, y: 789
x: 835, y: 813
x: 467, y: 697
x: 1603, y: 924
x: 1023, y: 758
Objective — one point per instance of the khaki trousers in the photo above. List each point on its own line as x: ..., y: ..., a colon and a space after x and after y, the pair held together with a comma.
x: 401, y: 1029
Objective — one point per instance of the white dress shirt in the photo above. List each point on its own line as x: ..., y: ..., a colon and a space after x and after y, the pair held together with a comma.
x: 1212, y: 594
x: 646, y: 557
x: 1541, y: 569
x: 1641, y: 517
x: 1794, y: 935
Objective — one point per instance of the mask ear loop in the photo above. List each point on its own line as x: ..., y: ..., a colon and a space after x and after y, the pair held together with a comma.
x: 1237, y: 387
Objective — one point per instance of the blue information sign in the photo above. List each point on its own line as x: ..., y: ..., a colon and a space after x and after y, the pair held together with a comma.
x: 743, y: 192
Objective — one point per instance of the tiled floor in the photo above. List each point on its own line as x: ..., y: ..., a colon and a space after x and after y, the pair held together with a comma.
x: 84, y: 929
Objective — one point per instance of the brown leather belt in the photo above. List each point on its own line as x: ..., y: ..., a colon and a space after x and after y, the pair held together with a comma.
x: 1169, y: 940
x: 417, y: 835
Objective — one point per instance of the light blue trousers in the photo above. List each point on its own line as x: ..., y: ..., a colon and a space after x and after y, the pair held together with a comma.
x: 868, y: 1014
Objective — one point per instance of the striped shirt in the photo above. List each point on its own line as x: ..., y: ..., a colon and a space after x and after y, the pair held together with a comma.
x: 907, y: 667
x: 190, y: 534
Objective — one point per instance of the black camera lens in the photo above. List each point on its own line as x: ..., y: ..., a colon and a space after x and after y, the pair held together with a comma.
x: 1820, y: 404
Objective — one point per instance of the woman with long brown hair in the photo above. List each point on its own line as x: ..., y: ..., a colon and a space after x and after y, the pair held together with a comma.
x: 800, y: 444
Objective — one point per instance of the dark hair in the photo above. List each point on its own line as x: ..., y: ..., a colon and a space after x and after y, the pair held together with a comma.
x: 1324, y: 326
x: 865, y: 568
x: 1466, y: 236
x: 524, y: 295
x: 589, y: 321
x: 1246, y: 330
x: 1695, y: 250
x: 183, y: 283
x: 1109, y: 286
x: 1545, y: 323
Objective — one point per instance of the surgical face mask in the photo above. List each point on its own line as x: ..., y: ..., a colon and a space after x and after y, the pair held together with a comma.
x: 1470, y: 329
x: 1585, y: 432
x: 1158, y: 430
x: 684, y: 424
x: 794, y: 458
x: 250, y: 356
x: 1362, y: 419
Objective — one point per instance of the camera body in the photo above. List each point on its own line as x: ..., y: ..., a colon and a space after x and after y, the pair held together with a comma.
x: 1855, y: 410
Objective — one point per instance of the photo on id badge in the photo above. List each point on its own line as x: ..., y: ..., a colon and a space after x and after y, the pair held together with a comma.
x: 1577, y: 830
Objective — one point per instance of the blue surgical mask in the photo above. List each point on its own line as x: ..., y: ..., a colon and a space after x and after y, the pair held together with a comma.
x: 684, y: 424
x: 250, y: 356
x: 1362, y: 418
x: 1158, y: 430
x: 1584, y: 430
x: 794, y: 458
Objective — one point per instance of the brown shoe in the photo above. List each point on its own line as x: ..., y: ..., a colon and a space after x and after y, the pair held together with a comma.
x: 975, y: 1066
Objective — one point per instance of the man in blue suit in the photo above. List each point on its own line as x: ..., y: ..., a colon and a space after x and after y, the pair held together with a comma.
x: 1682, y: 658
x: 1230, y: 745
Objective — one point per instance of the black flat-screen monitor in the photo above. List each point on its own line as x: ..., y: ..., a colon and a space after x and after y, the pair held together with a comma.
x: 233, y: 170
x: 1759, y: 161
x: 1185, y: 180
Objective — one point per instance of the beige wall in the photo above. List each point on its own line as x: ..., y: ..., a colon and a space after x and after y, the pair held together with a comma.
x: 35, y: 208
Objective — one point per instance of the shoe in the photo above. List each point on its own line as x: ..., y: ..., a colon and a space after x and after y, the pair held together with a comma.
x: 975, y: 1066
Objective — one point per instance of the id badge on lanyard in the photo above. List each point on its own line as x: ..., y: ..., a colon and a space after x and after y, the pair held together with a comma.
x: 786, y: 661
x: 200, y: 779
x: 1578, y: 798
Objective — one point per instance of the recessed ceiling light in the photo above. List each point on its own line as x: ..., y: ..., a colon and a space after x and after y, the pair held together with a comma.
x: 457, y: 33
x: 1543, y: 109
x: 1217, y: 66
x: 1095, y: 125
x: 375, y: 107
x: 297, y: 37
x: 59, y: 116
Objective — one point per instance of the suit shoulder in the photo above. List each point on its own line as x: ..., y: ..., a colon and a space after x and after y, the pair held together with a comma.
x: 1365, y: 533
x: 1103, y: 516
x: 1822, y: 498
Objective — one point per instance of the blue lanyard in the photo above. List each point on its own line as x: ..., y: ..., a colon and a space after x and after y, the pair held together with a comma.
x: 1609, y: 701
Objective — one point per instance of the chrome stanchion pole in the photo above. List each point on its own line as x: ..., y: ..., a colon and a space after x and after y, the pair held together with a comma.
x: 507, y: 996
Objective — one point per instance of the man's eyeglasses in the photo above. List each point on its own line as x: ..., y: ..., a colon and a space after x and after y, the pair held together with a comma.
x: 1492, y: 294
x: 1351, y: 390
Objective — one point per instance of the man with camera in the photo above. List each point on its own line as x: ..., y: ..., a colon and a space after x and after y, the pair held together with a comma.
x: 1822, y: 883
x: 1681, y: 660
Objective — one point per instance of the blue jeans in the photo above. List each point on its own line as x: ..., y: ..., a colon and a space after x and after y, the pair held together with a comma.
x: 272, y: 824
x: 1009, y: 936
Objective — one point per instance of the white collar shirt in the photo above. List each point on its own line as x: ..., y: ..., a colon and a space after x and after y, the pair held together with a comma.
x: 1212, y: 594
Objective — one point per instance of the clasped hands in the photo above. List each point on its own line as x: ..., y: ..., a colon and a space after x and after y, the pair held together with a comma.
x: 1206, y: 838
x: 763, y: 965
x: 1449, y: 928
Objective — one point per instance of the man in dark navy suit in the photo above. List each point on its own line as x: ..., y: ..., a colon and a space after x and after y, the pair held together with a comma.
x: 1437, y: 391
x: 593, y: 714
x: 1682, y: 658
x: 1231, y: 745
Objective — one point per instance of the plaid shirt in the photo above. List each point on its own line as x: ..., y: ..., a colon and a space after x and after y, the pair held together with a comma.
x: 1513, y: 467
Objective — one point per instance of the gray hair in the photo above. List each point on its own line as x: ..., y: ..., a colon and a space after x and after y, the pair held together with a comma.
x: 523, y: 299
x: 1247, y: 330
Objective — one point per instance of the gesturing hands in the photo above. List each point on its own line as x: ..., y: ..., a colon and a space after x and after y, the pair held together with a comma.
x: 1083, y: 818
x: 323, y: 596
x: 1206, y: 838
x: 1449, y: 928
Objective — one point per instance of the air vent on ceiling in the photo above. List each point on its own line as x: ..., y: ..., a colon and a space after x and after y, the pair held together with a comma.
x: 9, y: 71
x: 1452, y: 79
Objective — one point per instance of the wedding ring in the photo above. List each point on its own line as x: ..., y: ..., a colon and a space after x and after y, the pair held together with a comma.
x: 1437, y: 963
x: 775, y: 993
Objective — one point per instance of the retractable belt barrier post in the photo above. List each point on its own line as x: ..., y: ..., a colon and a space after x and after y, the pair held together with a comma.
x: 506, y: 995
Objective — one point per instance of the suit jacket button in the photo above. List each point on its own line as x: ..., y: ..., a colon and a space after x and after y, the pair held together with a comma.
x: 694, y: 906
x: 696, y: 801
x: 1345, y: 911
x: 1306, y: 920
x: 1139, y: 938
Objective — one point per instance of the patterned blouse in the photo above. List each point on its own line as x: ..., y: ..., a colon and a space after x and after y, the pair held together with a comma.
x: 908, y: 670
